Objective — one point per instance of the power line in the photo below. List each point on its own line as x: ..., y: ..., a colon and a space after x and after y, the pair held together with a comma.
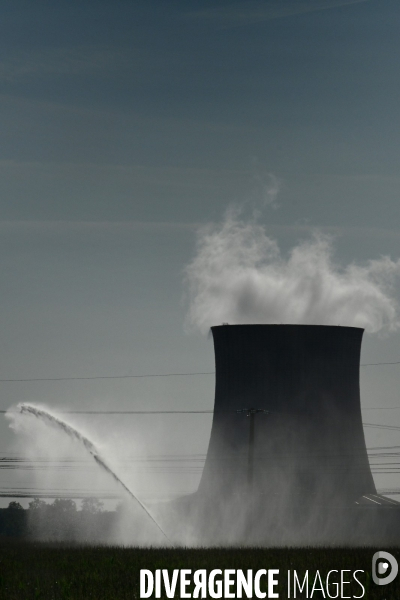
x: 127, y: 412
x: 150, y: 375
x: 380, y: 363
x: 381, y: 408
x: 381, y: 426
x: 108, y: 377
x: 138, y: 412
x: 170, y: 412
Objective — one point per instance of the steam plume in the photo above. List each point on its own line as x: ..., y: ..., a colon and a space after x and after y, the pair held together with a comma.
x: 239, y: 276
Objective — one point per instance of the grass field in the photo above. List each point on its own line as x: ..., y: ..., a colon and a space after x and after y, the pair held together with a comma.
x: 55, y: 571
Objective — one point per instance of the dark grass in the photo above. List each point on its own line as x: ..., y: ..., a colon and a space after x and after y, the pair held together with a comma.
x: 80, y: 572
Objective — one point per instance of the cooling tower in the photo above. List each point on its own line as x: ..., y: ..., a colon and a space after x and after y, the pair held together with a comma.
x: 287, y: 422
x: 287, y: 463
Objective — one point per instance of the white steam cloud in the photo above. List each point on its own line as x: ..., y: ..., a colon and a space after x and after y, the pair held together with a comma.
x: 239, y: 275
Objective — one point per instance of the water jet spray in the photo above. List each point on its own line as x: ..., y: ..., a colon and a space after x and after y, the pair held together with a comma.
x: 28, y: 409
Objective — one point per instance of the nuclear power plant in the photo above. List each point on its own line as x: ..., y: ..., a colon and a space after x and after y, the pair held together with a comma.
x: 287, y: 461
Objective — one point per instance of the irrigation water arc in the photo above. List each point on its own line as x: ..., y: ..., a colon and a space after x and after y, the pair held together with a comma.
x: 73, y: 433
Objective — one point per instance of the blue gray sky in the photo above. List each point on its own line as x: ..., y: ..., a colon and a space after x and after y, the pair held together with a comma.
x: 127, y: 125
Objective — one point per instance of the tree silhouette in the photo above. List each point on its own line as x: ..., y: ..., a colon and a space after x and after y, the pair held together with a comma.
x: 92, y: 505
x: 14, y: 520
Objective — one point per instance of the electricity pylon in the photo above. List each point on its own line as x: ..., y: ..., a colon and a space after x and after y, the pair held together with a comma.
x: 251, y: 412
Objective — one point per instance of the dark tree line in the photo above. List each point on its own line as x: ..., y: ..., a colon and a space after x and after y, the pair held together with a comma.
x: 59, y: 521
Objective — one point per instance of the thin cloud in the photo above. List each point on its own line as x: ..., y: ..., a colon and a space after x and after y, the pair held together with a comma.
x: 257, y: 12
x: 83, y: 59
x: 43, y: 226
x: 61, y: 61
x: 37, y: 225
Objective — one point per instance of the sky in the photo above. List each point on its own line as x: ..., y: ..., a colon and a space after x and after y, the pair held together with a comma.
x: 126, y: 126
